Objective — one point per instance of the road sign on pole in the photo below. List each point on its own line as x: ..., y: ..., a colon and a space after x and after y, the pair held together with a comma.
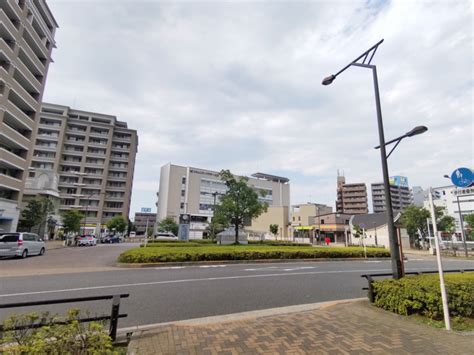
x: 462, y: 177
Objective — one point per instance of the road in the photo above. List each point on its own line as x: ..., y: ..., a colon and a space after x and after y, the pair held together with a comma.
x: 176, y: 293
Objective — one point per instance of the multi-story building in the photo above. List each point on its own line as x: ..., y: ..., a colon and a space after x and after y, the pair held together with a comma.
x: 143, y: 221
x: 301, y: 214
x: 196, y: 191
x: 399, y: 191
x: 351, y: 198
x: 418, y: 196
x: 448, y: 196
x: 27, y: 30
x: 84, y: 159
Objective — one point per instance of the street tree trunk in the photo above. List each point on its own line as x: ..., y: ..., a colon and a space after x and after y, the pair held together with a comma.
x: 236, y: 234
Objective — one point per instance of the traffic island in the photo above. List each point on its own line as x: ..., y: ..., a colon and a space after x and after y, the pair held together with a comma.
x: 162, y: 253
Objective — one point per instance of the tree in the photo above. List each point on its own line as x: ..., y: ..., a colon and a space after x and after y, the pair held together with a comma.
x: 36, y: 213
x: 239, y: 203
x: 72, y: 220
x: 149, y: 232
x: 117, y: 223
x: 168, y: 225
x: 218, y: 224
x: 274, y: 229
x: 469, y: 219
x: 446, y: 224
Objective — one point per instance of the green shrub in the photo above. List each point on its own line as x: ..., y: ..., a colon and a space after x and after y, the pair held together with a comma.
x: 421, y: 295
x: 70, y: 338
x: 241, y: 252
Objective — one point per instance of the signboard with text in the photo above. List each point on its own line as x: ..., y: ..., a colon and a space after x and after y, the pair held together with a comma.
x: 146, y: 210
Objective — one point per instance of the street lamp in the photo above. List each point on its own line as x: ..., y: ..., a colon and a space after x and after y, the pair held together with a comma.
x: 460, y: 221
x: 360, y: 61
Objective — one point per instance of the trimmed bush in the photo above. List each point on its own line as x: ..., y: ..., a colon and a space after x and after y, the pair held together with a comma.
x: 422, y: 295
x: 242, y: 252
x: 70, y: 338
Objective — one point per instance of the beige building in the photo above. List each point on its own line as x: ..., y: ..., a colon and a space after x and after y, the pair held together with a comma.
x: 84, y: 161
x: 351, y: 198
x: 27, y: 30
x: 196, y: 191
x: 301, y: 214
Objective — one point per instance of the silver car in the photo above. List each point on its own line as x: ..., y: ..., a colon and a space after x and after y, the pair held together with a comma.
x: 21, y: 244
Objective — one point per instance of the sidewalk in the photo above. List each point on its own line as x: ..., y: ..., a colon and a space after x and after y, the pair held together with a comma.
x: 54, y: 244
x: 345, y: 327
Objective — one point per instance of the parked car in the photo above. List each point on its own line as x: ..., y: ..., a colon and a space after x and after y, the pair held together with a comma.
x: 87, y: 240
x: 21, y: 244
x: 165, y: 236
x: 111, y: 239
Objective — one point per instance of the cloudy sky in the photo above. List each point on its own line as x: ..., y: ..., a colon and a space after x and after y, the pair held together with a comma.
x: 237, y: 85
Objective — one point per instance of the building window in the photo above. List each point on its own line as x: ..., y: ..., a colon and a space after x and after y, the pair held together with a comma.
x: 183, y: 180
x: 293, y: 218
x: 183, y: 193
x: 299, y: 218
x: 181, y: 205
x: 31, y: 174
x: 322, y: 221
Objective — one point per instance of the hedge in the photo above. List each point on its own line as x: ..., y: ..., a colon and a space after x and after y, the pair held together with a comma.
x: 208, y: 243
x: 241, y: 252
x: 421, y: 295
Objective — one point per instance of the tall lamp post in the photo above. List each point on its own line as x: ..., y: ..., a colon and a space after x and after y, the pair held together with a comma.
x: 360, y: 61
x: 460, y: 221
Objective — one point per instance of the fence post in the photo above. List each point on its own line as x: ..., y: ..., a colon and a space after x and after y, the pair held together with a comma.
x: 371, y: 289
x: 114, y: 317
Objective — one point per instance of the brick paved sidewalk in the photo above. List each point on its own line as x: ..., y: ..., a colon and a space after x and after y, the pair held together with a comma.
x: 345, y: 328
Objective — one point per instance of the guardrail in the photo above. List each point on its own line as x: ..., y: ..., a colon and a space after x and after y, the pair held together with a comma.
x: 114, y: 314
x: 369, y: 277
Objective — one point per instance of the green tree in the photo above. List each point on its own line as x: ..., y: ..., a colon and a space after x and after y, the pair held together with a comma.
x: 446, y: 224
x: 218, y: 224
x: 274, y: 229
x: 117, y: 223
x: 72, y: 220
x: 239, y: 203
x: 36, y: 214
x: 469, y: 219
x: 168, y: 225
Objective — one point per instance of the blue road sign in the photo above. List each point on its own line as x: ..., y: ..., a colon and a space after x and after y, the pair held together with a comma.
x: 462, y: 177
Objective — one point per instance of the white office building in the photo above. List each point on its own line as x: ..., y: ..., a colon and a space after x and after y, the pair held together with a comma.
x: 195, y: 191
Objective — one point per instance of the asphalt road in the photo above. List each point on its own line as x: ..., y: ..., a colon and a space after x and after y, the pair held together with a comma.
x: 66, y: 260
x: 176, y: 293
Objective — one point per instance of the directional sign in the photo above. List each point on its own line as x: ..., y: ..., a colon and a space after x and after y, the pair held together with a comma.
x: 462, y: 177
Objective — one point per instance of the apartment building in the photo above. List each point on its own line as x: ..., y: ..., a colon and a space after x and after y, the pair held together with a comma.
x: 84, y: 159
x: 196, y: 191
x: 351, y: 198
x: 143, y: 221
x: 27, y: 29
x: 399, y: 191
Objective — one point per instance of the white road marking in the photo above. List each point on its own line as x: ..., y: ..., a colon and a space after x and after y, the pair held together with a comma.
x: 207, y: 266
x: 170, y: 268
x: 192, y: 280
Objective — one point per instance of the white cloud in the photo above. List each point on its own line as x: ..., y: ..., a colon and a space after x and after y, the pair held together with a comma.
x: 238, y: 85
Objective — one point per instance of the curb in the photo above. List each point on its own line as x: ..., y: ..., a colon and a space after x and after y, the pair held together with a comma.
x: 242, y: 315
x: 230, y: 262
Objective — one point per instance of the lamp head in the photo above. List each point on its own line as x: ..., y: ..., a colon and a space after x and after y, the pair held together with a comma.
x: 328, y: 80
x: 417, y: 130
x: 446, y: 176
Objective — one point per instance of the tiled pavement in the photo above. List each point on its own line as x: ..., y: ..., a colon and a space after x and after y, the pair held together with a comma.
x: 341, y: 328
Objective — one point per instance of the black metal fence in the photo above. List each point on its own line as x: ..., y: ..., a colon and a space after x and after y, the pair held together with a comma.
x: 114, y: 314
x: 370, y: 277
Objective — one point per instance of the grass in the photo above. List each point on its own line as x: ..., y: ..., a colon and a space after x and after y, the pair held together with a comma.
x: 462, y: 324
x: 178, y: 253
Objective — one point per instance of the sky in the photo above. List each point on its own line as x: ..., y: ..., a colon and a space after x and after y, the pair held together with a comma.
x: 237, y: 85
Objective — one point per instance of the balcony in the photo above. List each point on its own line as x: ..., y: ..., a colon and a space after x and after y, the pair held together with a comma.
x: 32, y: 55
x: 22, y: 95
x: 12, y: 158
x: 6, y: 22
x: 10, y: 182
x: 15, y: 136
